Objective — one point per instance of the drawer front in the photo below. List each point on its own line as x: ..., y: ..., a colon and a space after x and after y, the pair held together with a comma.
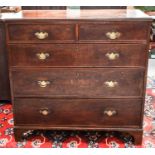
x: 40, y: 33
x: 78, y: 82
x: 78, y: 112
x: 114, y: 31
x: 78, y: 55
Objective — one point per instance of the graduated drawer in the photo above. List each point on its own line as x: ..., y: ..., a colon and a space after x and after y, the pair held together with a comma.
x: 78, y: 82
x: 78, y: 55
x: 78, y: 112
x: 114, y: 31
x: 40, y: 33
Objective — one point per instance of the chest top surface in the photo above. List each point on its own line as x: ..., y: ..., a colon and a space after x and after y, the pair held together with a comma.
x: 106, y: 14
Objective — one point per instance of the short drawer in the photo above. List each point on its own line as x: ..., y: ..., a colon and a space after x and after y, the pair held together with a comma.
x: 76, y: 55
x: 78, y: 82
x: 114, y: 31
x: 40, y: 33
x: 78, y: 112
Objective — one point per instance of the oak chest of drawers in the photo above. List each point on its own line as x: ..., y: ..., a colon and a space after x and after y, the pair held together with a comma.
x: 83, y: 73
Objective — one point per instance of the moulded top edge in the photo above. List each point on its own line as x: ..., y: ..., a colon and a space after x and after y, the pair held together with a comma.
x: 106, y: 14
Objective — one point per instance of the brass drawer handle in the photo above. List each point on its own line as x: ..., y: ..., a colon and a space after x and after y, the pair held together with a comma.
x: 41, y: 35
x: 112, y: 56
x: 110, y: 112
x: 42, y: 56
x: 43, y: 84
x: 111, y: 84
x: 113, y: 35
x: 44, y: 111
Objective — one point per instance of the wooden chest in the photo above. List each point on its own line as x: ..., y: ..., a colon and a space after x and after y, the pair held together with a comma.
x: 78, y: 73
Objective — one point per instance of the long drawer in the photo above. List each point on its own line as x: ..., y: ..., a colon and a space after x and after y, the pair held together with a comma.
x: 78, y: 112
x: 41, y: 32
x: 114, y: 31
x: 78, y: 82
x: 83, y: 55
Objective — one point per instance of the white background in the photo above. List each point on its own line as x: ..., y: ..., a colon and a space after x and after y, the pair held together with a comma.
x: 77, y: 2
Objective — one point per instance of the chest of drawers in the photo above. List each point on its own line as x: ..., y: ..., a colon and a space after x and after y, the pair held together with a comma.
x: 85, y: 73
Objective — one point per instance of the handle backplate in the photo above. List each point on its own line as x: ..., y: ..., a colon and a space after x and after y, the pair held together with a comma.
x: 44, y: 111
x: 112, y: 55
x: 113, y: 35
x: 43, y: 83
x: 111, y: 84
x: 42, y: 56
x: 110, y: 113
x: 41, y: 35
